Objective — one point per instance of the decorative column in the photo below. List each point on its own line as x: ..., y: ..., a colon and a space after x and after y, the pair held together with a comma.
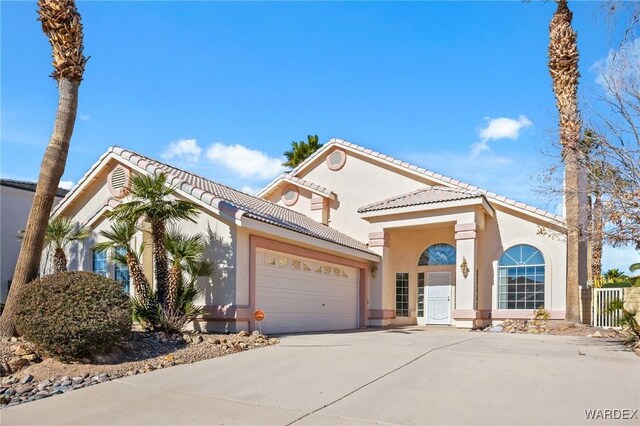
x: 381, y: 305
x: 465, y: 312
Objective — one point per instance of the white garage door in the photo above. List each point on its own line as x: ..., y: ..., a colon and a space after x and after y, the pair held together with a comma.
x: 300, y: 294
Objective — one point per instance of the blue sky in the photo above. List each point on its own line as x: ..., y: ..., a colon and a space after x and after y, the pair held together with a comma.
x: 223, y: 88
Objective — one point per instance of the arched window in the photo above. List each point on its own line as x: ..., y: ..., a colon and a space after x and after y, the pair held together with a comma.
x: 438, y: 254
x: 521, y: 278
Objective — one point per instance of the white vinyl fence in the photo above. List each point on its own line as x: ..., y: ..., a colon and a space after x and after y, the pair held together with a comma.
x: 601, y: 316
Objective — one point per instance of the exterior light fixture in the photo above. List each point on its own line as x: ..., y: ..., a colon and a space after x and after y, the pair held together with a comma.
x: 464, y: 267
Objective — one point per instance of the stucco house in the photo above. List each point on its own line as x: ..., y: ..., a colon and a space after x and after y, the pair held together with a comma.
x: 350, y: 238
x: 16, y: 197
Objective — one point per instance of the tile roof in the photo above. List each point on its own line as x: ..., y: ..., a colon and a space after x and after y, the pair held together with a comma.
x: 492, y: 196
x: 427, y: 195
x: 324, y: 191
x: 234, y: 202
x: 28, y: 186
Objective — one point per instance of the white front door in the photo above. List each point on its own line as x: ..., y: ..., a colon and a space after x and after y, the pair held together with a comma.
x: 438, y: 298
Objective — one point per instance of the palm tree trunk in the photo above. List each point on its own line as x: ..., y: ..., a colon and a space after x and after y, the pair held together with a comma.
x: 59, y: 260
x: 597, y: 237
x: 160, y: 261
x: 174, y: 283
x: 563, y: 67
x: 51, y: 171
x: 140, y: 283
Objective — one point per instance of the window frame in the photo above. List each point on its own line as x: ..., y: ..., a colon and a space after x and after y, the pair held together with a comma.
x: 426, y: 257
x: 402, y: 294
x: 522, y: 283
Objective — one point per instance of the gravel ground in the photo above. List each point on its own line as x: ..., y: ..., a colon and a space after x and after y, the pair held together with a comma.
x: 42, y: 377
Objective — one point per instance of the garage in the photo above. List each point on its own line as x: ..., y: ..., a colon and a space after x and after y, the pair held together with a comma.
x: 300, y: 294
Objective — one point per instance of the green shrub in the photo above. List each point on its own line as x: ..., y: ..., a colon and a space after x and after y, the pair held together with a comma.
x: 73, y: 315
x: 618, y: 284
x: 155, y: 317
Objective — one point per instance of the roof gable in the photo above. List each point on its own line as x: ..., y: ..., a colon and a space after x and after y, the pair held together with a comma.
x: 422, y: 172
x: 229, y: 202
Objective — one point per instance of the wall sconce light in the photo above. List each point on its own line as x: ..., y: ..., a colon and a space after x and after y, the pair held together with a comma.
x: 464, y: 267
x: 374, y: 270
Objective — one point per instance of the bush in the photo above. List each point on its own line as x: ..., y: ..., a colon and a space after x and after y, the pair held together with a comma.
x: 74, y: 315
x: 155, y: 317
x: 618, y: 284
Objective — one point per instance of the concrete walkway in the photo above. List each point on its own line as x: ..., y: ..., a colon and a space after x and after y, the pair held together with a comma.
x: 397, y: 376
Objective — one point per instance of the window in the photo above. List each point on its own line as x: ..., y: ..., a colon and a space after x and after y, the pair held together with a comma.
x: 99, y: 263
x: 438, y: 254
x: 421, y: 294
x: 402, y: 294
x: 121, y: 271
x: 521, y: 278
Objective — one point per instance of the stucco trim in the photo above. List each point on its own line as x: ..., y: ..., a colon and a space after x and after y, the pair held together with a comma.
x: 523, y: 314
x: 382, y: 314
x: 337, y: 166
x: 295, y: 191
x: 465, y: 314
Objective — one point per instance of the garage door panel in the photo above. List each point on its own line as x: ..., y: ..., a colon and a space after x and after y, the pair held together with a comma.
x: 297, y: 298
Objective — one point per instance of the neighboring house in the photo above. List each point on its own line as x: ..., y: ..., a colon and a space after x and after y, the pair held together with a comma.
x: 348, y: 239
x: 15, y: 203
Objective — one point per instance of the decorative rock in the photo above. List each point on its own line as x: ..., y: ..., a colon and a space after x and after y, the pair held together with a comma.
x: 14, y: 339
x: 21, y: 390
x: 255, y: 333
x: 76, y: 380
x: 16, y: 364
x: 10, y: 392
x: 30, y: 357
x: 273, y: 341
x: 596, y: 334
x: 496, y: 329
x: 197, y: 339
x: 66, y: 382
x: 243, y: 333
x: 26, y: 379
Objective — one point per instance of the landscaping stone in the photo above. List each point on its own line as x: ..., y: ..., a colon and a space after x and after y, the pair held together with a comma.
x: 146, y: 352
x: 26, y: 379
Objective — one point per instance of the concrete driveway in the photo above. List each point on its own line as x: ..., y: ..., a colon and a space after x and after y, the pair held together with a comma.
x: 395, y: 376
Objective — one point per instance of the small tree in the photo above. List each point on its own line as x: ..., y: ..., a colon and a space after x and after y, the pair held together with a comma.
x: 153, y: 200
x: 301, y: 150
x: 60, y: 232
x: 119, y: 238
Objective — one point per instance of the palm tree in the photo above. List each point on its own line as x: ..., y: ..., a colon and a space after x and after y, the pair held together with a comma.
x: 60, y: 232
x: 563, y: 67
x: 300, y: 151
x: 119, y: 238
x: 614, y: 275
x: 61, y: 23
x: 634, y: 267
x: 152, y: 200
x: 186, y: 253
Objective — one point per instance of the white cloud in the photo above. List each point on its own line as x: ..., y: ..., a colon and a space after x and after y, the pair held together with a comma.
x: 184, y: 149
x: 66, y: 184
x: 244, y: 161
x: 619, y: 66
x: 84, y: 117
x: 499, y: 128
x: 250, y: 189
